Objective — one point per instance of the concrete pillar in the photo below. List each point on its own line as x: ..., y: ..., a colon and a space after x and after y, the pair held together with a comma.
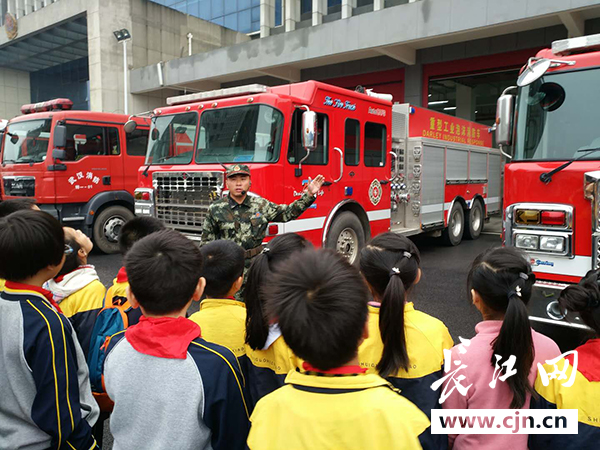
x: 347, y: 6
x: 11, y: 6
x: 267, y: 17
x: 20, y: 9
x: 292, y: 14
x: 29, y: 7
x: 413, y: 85
x: 319, y: 9
x: 378, y: 4
x: 465, y: 102
x: 38, y: 4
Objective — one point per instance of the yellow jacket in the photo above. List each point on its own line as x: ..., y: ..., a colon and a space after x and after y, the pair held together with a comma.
x: 223, y: 321
x: 2, y: 283
x: 310, y: 412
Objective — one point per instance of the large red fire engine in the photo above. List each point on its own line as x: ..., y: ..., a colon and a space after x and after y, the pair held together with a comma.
x: 552, y: 184
x: 388, y: 167
x: 80, y: 166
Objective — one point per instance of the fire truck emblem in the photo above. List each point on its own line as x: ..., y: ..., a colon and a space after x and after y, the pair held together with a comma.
x: 375, y: 192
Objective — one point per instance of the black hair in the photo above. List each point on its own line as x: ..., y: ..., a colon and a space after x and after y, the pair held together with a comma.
x: 15, y: 204
x: 390, y: 264
x: 584, y: 298
x: 135, y: 229
x: 72, y: 260
x: 223, y: 265
x: 163, y: 270
x: 503, y: 279
x: 29, y: 242
x: 320, y: 302
x: 261, y: 271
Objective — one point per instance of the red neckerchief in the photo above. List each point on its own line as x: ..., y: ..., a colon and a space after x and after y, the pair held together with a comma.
x: 588, y: 360
x: 344, y: 370
x: 28, y: 287
x: 122, y: 275
x: 62, y: 277
x: 163, y: 337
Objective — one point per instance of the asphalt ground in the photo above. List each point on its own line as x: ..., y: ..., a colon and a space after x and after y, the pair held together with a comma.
x: 441, y: 293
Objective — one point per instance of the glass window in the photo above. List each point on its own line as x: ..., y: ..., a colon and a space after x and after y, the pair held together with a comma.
x: 113, y: 141
x: 84, y: 140
x: 172, y: 139
x: 230, y: 6
x: 204, y: 9
x: 296, y: 150
x: 278, y: 12
x: 137, y: 142
x: 26, y: 142
x: 352, y: 142
x: 375, y: 139
x: 305, y: 6
x: 256, y: 15
x: 244, y: 22
x: 231, y: 21
x: 240, y: 134
x: 217, y: 8
x: 244, y: 4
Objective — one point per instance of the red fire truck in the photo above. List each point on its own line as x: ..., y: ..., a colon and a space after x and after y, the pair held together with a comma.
x: 388, y: 167
x: 80, y: 166
x: 552, y: 184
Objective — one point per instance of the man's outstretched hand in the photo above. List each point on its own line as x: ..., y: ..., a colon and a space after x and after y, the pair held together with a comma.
x: 314, y: 186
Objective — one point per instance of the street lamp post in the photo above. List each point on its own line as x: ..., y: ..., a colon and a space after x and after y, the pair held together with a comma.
x: 123, y: 36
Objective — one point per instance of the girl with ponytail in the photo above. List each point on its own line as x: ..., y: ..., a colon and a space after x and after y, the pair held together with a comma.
x: 268, y: 358
x: 584, y: 393
x: 405, y: 346
x: 499, y: 284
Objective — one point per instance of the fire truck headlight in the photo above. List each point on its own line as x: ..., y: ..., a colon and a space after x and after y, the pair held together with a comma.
x: 552, y: 244
x: 527, y: 241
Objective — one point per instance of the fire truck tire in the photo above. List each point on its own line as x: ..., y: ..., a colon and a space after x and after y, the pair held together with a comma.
x: 346, y: 236
x: 107, y: 226
x: 474, y: 219
x: 453, y: 234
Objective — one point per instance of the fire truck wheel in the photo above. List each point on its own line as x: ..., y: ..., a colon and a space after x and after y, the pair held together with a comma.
x: 474, y: 221
x: 346, y: 236
x: 456, y: 226
x: 107, y: 227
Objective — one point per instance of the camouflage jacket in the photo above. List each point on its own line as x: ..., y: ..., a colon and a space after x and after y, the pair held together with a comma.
x: 246, y: 223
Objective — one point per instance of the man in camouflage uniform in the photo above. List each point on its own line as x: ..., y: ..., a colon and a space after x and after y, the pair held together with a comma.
x: 244, y: 219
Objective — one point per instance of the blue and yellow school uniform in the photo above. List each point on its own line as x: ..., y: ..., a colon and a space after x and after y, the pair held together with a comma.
x: 583, y: 395
x: 343, y: 411
x: 266, y: 369
x: 426, y: 339
x: 45, y: 395
x: 223, y: 321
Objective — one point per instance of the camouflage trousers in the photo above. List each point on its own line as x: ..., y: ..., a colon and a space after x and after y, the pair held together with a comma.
x: 239, y: 296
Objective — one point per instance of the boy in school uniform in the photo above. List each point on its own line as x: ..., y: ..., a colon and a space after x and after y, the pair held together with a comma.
x: 45, y: 395
x: 180, y: 391
x: 222, y: 318
x: 320, y: 302
x: 13, y: 205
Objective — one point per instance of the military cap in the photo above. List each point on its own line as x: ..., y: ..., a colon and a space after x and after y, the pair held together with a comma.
x: 237, y: 169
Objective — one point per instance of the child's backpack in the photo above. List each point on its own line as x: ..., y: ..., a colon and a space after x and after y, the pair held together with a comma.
x: 116, y: 316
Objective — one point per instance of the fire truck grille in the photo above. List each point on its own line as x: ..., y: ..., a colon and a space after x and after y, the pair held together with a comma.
x: 183, y: 198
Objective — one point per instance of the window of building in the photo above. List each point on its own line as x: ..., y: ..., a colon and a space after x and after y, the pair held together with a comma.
x: 137, y: 142
x: 296, y: 150
x: 375, y: 140
x: 352, y: 142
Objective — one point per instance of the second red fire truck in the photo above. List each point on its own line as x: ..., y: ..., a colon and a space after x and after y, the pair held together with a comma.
x: 388, y: 167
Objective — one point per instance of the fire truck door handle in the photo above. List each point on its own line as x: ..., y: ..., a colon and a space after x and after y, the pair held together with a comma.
x: 106, y: 181
x: 341, y: 164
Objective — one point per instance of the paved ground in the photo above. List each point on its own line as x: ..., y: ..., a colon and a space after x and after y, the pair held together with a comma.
x: 441, y: 293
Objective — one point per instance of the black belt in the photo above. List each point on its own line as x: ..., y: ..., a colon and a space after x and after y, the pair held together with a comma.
x: 254, y: 251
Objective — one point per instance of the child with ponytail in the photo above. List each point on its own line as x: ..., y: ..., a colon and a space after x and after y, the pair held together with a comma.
x: 499, y: 284
x: 584, y: 393
x: 405, y: 346
x: 268, y: 359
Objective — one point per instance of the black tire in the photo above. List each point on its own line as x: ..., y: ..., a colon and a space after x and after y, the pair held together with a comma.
x: 474, y: 221
x: 346, y: 236
x: 453, y: 234
x: 107, y: 226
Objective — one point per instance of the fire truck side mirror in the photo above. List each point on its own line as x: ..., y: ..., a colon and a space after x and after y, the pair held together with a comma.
x: 130, y: 126
x: 60, y: 136
x: 504, y: 119
x: 309, y: 130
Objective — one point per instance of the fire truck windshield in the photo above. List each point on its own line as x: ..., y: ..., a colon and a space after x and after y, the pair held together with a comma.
x: 557, y: 116
x: 26, y: 142
x: 249, y: 133
x: 172, y: 139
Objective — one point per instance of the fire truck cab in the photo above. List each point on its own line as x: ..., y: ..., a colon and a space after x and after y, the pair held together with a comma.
x: 80, y: 166
x: 548, y: 124
x: 387, y: 167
